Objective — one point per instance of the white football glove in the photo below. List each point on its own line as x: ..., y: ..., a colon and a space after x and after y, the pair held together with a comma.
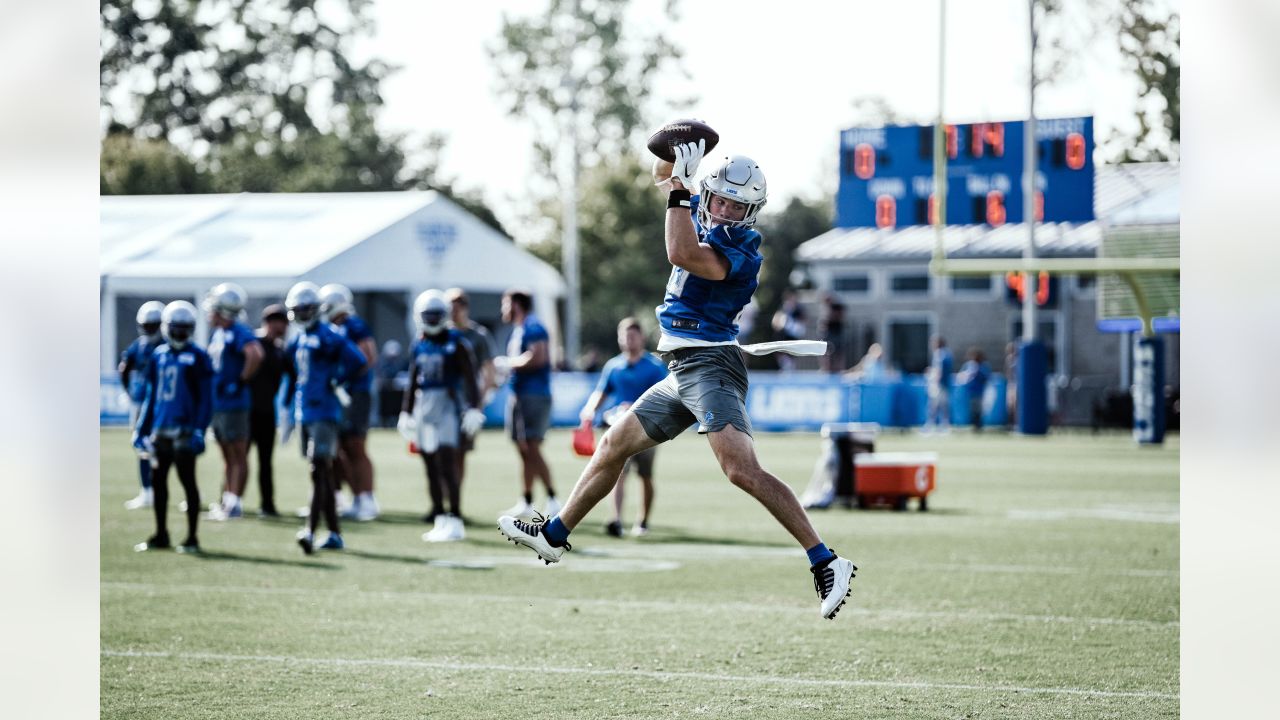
x: 408, y: 427
x: 472, y: 421
x: 344, y: 397
x: 685, y: 167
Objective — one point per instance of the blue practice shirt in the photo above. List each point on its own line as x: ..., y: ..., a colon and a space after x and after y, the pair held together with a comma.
x: 179, y: 391
x: 944, y: 364
x: 356, y: 330
x: 317, y: 360
x: 623, y: 381
x: 226, y: 349
x: 530, y: 382
x: 137, y: 358
x: 707, y: 310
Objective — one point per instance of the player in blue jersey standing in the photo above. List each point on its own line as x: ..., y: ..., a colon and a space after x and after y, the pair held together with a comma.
x: 622, y: 381
x: 178, y: 407
x: 134, y: 362
x: 431, y: 415
x: 319, y: 365
x: 716, y: 258
x: 528, y: 360
x: 338, y: 307
x: 236, y: 354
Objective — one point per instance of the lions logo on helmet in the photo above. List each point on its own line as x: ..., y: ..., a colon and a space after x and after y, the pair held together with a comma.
x: 149, y: 317
x: 335, y: 301
x: 430, y: 312
x: 738, y: 179
x: 225, y: 300
x: 303, y: 304
x: 178, y: 323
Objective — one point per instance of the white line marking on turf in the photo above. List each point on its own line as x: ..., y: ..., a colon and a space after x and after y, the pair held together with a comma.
x: 1046, y: 570
x: 653, y: 674
x: 614, y: 603
x: 1101, y: 513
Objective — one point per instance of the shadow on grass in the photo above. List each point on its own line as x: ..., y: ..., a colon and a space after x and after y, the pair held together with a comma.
x: 219, y: 555
x: 402, y: 518
x: 387, y: 557
x: 660, y: 536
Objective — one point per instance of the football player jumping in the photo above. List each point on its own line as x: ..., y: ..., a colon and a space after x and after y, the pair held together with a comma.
x: 716, y: 257
x: 429, y: 417
x: 319, y: 363
x: 178, y: 407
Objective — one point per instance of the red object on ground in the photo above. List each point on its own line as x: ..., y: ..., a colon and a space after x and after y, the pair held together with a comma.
x: 413, y: 448
x: 584, y: 440
x: 892, y: 478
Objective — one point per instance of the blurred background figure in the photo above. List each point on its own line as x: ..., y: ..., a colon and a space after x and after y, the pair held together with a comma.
x: 871, y: 367
x: 134, y: 363
x: 938, y: 376
x: 974, y: 375
x: 236, y: 354
x: 624, y: 379
x: 1011, y: 384
x: 263, y: 390
x: 386, y: 375
x: 788, y: 324
x: 833, y: 333
x: 528, y: 360
x: 480, y: 343
x: 353, y: 466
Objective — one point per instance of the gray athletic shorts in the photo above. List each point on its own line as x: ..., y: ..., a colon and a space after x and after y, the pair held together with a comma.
x: 642, y: 462
x: 435, y: 411
x: 355, y: 417
x: 707, y: 385
x: 230, y: 425
x: 528, y: 416
x: 319, y: 440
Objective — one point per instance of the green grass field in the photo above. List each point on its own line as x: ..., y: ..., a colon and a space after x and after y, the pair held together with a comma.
x: 1043, y: 582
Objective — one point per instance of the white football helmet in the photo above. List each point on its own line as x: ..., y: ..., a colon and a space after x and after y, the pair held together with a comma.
x: 178, y: 323
x: 225, y: 300
x: 149, y: 317
x: 740, y: 179
x: 303, y: 304
x: 336, y: 300
x: 430, y: 312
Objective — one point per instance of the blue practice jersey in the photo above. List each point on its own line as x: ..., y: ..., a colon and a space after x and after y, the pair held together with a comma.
x: 435, y: 361
x: 356, y: 330
x: 530, y: 382
x: 623, y: 381
x: 976, y: 375
x: 707, y: 310
x: 316, y: 361
x: 136, y: 359
x: 226, y: 349
x: 944, y: 365
x: 179, y: 391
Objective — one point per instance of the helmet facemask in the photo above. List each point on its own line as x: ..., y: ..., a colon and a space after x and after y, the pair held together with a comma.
x: 738, y: 179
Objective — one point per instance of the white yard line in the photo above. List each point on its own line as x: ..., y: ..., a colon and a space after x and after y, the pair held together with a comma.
x: 614, y: 603
x: 651, y: 674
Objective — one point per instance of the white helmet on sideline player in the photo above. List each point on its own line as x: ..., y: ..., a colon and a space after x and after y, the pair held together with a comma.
x: 738, y: 179
x: 303, y: 304
x: 178, y: 322
x: 149, y: 317
x: 226, y: 300
x: 336, y: 300
x: 430, y: 312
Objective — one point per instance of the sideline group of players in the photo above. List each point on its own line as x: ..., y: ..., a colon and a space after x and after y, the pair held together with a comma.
x: 178, y: 389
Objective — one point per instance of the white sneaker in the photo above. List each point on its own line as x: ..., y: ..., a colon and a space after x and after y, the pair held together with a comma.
x: 553, y: 507
x: 832, y: 583
x: 522, y: 510
x: 217, y: 513
x: 368, y: 508
x: 531, y: 536
x: 303, y: 512
x: 144, y: 499
x: 639, y: 530
x: 182, y: 506
x: 441, y: 531
x: 456, y: 529
x: 350, y: 512
x: 346, y: 507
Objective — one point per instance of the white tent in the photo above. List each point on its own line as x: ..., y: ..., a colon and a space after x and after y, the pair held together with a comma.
x: 397, y: 242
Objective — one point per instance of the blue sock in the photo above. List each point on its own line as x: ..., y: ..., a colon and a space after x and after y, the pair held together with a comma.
x: 144, y: 473
x: 819, y: 553
x: 557, y: 534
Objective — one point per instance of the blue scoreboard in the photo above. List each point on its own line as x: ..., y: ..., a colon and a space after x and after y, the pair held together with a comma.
x: 886, y: 173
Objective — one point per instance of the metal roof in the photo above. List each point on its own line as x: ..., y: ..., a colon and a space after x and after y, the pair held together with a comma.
x: 1135, y: 193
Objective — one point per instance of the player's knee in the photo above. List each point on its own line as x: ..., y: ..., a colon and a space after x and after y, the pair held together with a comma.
x: 742, y: 479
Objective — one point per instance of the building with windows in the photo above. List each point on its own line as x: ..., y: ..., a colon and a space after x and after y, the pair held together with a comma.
x: 881, y: 276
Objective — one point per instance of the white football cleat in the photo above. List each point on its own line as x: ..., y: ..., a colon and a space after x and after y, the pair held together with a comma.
x: 144, y: 499
x: 443, y: 530
x: 831, y: 580
x: 522, y: 510
x: 530, y: 534
x: 553, y: 507
x: 369, y: 509
x: 456, y: 529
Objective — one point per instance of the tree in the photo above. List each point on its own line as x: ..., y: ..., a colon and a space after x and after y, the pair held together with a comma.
x: 1150, y: 43
x: 133, y: 166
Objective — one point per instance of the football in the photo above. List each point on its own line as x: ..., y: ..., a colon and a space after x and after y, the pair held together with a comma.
x: 676, y: 132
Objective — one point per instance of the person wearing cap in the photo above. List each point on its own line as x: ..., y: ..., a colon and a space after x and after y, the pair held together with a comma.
x: 263, y: 390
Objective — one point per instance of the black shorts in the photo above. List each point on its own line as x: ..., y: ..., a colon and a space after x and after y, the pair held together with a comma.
x: 355, y: 417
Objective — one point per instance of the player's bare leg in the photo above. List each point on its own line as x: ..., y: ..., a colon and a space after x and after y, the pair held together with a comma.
x: 646, y: 502
x: 614, y: 527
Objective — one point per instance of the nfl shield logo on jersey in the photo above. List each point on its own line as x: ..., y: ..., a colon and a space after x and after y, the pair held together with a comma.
x: 710, y: 418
